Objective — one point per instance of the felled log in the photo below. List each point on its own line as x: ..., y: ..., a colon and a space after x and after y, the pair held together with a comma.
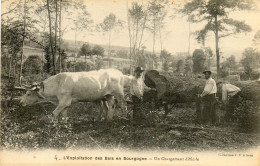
x: 177, y: 89
x: 250, y: 90
x: 174, y: 89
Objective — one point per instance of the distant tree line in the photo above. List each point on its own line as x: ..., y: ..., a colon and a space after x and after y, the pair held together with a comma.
x: 43, y: 23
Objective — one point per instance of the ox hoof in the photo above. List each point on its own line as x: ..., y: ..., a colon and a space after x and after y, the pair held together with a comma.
x: 64, y: 119
x: 52, y: 119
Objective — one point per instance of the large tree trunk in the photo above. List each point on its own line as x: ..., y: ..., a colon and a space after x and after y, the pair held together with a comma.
x: 189, y: 41
x: 109, y: 50
x: 50, y: 40
x: 173, y: 89
x: 56, y: 27
x: 22, y: 53
x: 75, y: 50
x: 10, y: 66
x: 135, y: 44
x: 154, y: 34
x: 217, y: 47
x: 60, y: 58
x: 130, y: 41
x: 130, y: 38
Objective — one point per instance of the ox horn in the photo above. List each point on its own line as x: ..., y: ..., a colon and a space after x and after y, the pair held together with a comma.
x: 35, y: 87
x: 40, y: 95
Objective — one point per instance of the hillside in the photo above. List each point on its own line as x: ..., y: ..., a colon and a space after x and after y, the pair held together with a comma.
x: 69, y: 45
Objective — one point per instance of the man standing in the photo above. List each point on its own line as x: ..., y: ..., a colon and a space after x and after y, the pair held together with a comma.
x: 230, y: 96
x: 208, y: 98
x: 137, y: 90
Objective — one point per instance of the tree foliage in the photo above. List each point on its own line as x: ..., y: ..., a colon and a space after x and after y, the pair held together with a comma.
x: 199, y: 59
x: 231, y: 63
x: 157, y: 11
x: 110, y: 25
x: 85, y: 50
x: 215, y: 13
x: 188, y: 65
x: 137, y: 19
x: 250, y: 60
x: 166, y: 58
x: 180, y: 66
x: 32, y: 65
x: 98, y: 50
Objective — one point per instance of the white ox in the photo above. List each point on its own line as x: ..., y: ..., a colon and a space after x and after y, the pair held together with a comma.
x: 65, y: 88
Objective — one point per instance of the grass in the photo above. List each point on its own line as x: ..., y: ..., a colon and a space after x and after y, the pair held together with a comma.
x: 28, y: 128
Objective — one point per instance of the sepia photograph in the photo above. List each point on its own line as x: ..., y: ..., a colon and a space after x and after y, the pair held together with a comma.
x: 130, y: 82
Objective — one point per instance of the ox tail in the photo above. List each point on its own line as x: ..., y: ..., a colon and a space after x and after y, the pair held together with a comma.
x: 42, y: 86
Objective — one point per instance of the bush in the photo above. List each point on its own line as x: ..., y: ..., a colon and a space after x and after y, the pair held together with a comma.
x: 253, y: 76
x: 32, y: 65
x: 126, y: 70
x: 248, y: 115
x: 80, y: 66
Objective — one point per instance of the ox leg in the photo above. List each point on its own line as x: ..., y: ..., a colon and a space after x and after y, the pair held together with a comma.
x: 101, y: 108
x: 63, y: 104
x: 64, y: 114
x: 121, y: 101
x: 108, y: 104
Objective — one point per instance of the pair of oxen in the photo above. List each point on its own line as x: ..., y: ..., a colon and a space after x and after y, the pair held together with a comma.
x: 99, y: 86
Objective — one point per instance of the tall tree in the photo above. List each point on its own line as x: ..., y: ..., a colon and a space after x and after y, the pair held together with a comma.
x: 209, y: 54
x: 199, y: 61
x: 216, y: 15
x: 231, y: 63
x: 157, y: 12
x: 17, y: 31
x: 180, y: 66
x: 250, y: 60
x: 50, y: 39
x: 11, y: 38
x: 98, y: 50
x: 23, y: 38
x: 188, y: 66
x: 137, y: 19
x: 85, y: 50
x: 57, y: 15
x: 81, y: 20
x: 165, y: 57
x: 110, y: 25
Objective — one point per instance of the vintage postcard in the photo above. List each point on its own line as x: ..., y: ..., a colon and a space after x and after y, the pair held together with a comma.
x: 130, y: 82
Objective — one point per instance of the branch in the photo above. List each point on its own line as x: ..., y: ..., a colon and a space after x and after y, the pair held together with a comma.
x: 31, y: 39
x: 225, y: 35
x: 238, y: 26
x: 10, y: 11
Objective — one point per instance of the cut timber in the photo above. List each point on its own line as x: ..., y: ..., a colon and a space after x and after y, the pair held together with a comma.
x: 250, y: 90
x: 178, y: 89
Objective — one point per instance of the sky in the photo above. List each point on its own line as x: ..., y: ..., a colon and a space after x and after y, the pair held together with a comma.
x: 175, y: 37
x: 175, y: 33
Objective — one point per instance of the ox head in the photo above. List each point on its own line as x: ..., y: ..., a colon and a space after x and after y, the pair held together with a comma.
x: 32, y: 95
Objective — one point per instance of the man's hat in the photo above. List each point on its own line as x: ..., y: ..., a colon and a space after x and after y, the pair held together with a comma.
x: 207, y: 71
x: 139, y: 69
x: 220, y: 82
